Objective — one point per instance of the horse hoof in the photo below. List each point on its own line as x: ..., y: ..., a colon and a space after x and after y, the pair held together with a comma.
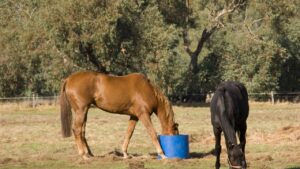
x: 162, y: 156
x: 87, y: 157
x: 125, y: 156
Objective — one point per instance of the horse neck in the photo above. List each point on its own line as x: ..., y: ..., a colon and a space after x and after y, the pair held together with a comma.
x: 166, y: 116
x: 164, y: 111
x: 229, y: 131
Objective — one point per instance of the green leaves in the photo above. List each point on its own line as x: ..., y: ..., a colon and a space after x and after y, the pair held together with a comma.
x: 44, y: 41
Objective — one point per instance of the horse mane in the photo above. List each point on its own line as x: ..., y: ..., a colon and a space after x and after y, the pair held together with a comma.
x: 162, y: 99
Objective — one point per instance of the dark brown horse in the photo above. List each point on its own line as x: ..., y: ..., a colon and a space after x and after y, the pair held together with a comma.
x: 131, y: 95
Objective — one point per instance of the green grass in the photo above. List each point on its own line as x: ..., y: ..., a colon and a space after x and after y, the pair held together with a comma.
x: 31, y: 138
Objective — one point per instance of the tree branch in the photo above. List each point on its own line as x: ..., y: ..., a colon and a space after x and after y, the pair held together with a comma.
x: 88, y: 51
x: 194, y: 56
x: 206, y: 33
x: 226, y: 10
x: 186, y: 42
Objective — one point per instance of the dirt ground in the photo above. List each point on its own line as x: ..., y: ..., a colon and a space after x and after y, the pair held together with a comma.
x: 31, y: 138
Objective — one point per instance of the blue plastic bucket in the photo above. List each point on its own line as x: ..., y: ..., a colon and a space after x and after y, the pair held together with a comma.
x: 174, y: 146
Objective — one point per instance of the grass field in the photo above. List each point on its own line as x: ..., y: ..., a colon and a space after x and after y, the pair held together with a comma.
x: 31, y: 138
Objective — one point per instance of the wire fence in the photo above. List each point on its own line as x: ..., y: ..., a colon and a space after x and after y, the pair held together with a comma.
x: 32, y: 101
x: 272, y: 97
x: 276, y: 97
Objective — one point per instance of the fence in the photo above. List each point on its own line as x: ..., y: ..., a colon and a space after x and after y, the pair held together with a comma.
x: 32, y: 101
x: 272, y: 97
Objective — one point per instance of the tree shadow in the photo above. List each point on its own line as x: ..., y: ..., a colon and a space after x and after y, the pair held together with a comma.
x: 298, y: 167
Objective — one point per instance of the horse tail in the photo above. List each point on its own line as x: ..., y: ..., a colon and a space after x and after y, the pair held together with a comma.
x: 227, y: 123
x: 65, y: 112
x: 221, y: 100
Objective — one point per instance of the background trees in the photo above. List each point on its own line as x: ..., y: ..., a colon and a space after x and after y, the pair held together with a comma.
x: 184, y: 46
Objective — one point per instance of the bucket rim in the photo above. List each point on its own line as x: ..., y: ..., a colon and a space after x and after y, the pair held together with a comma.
x: 178, y: 135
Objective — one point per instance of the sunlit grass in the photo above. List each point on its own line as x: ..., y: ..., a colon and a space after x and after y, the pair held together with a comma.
x: 31, y: 138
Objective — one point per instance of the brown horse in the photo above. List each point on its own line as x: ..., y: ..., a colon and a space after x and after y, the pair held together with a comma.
x: 131, y: 95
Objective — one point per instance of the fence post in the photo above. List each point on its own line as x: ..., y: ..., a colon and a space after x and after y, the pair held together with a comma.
x: 272, y: 97
x: 55, y: 96
x: 33, y: 101
x: 36, y: 98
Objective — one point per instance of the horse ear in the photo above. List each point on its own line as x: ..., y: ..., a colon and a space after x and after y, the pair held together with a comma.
x: 175, y: 126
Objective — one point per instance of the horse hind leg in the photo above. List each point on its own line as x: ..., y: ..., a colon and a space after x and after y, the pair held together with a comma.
x: 79, y: 133
x: 87, y: 148
x: 131, y: 126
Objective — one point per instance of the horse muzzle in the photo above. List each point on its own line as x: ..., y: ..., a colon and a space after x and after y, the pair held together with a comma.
x: 235, y: 166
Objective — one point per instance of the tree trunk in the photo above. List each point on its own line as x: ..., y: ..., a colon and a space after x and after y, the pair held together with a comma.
x: 193, y: 66
x: 216, y: 23
x: 88, y: 51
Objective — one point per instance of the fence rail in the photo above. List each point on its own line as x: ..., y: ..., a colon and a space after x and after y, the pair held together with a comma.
x: 27, y: 98
x: 272, y: 97
x: 276, y: 96
x: 32, y: 101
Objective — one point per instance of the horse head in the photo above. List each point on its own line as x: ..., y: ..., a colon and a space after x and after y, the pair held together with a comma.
x: 236, y: 157
x: 175, y: 130
x: 171, y: 129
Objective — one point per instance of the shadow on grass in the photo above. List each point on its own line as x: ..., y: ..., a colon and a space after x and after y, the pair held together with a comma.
x: 293, y: 167
x: 200, y: 154
x: 192, y: 104
x: 193, y: 155
x: 119, y: 155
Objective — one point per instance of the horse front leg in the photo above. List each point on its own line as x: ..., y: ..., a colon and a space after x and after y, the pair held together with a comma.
x: 218, y: 148
x: 131, y: 126
x: 146, y: 120
x: 242, y: 137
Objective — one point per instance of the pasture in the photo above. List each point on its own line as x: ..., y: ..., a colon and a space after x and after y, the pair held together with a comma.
x: 31, y: 138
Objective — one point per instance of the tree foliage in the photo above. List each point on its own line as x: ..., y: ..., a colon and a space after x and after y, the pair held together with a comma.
x: 185, y: 47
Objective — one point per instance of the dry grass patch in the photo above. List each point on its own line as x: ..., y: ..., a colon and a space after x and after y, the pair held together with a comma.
x: 31, y: 138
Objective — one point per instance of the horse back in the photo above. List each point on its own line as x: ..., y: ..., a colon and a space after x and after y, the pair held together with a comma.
x: 125, y: 94
x: 116, y: 94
